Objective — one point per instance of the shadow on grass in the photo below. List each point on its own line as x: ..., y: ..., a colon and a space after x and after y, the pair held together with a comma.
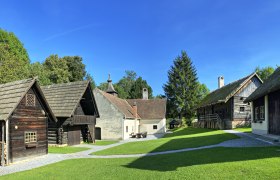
x: 167, y: 144
x: 170, y: 162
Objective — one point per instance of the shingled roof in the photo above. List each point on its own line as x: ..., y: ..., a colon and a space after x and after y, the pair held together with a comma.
x: 121, y: 104
x: 224, y: 93
x: 150, y: 109
x: 12, y: 93
x: 64, y: 98
x: 270, y: 85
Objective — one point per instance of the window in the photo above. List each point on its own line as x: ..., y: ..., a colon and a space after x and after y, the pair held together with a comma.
x: 256, y: 113
x: 30, y: 100
x: 154, y: 126
x: 261, y: 112
x: 242, y: 109
x: 30, y: 137
x: 126, y: 128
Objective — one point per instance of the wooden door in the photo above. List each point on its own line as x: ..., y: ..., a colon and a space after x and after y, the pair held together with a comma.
x: 274, y: 113
x: 74, y: 135
x: 98, y: 133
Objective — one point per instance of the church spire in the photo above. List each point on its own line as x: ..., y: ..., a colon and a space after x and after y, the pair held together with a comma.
x: 111, y: 89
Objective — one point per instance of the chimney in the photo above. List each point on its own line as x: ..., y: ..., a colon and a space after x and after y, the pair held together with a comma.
x: 145, y: 94
x: 134, y: 108
x: 221, y: 81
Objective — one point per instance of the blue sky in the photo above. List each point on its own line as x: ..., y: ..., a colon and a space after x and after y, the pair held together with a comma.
x: 222, y: 37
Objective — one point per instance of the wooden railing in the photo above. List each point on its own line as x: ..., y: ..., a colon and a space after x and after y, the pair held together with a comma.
x: 210, y: 121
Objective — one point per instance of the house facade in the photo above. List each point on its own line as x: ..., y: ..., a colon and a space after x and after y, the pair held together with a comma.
x: 24, y: 117
x: 121, y: 117
x: 76, y: 111
x: 224, y: 108
x: 265, y: 103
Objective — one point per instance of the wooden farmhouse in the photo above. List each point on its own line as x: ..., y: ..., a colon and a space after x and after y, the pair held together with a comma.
x: 75, y: 108
x: 24, y: 117
x: 265, y: 103
x: 122, y: 117
x: 224, y: 108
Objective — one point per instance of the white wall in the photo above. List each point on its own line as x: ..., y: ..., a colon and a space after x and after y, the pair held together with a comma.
x: 147, y: 125
x: 132, y: 127
x: 110, y: 121
x: 260, y: 128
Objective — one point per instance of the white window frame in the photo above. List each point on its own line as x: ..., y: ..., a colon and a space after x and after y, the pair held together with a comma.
x: 30, y: 137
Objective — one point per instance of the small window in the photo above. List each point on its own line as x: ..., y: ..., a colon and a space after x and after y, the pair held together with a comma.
x: 30, y: 137
x: 256, y: 113
x: 30, y: 100
x: 126, y: 128
x: 154, y: 126
x: 242, y: 109
x: 262, y: 112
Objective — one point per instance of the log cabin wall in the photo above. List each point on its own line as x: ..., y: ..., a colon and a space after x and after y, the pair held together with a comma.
x: 28, y: 118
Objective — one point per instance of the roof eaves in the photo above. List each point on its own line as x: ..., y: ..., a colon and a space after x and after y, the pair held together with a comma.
x: 22, y: 96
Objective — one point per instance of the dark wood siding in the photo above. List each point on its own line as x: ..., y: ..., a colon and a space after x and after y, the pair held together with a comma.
x: 274, y: 112
x: 27, y: 118
x: 258, y: 103
x: 74, y: 135
x: 238, y: 105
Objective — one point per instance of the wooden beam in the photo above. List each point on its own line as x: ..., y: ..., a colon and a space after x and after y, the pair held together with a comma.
x: 3, y: 143
x: 7, y: 142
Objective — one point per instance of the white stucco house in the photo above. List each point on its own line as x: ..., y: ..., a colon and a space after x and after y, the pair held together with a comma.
x: 265, y: 102
x: 121, y: 117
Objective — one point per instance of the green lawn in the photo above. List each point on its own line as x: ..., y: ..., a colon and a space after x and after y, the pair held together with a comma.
x: 245, y: 129
x: 215, y: 163
x: 66, y: 149
x: 104, y: 142
x: 179, y: 139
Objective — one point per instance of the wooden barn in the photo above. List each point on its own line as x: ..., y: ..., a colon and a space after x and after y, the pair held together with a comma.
x: 224, y: 108
x: 24, y: 117
x: 265, y: 102
x: 75, y: 108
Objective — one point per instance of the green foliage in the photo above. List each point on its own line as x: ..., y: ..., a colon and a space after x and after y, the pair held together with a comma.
x: 57, y: 69
x: 137, y: 88
x: 37, y: 69
x: 76, y: 68
x: 92, y: 82
x: 130, y: 86
x: 202, y: 91
x: 14, y: 60
x: 179, y: 139
x: 182, y: 88
x: 265, y: 72
x: 124, y: 85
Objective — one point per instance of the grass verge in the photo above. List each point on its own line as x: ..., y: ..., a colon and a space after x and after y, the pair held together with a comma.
x: 179, y: 139
x: 245, y: 129
x: 66, y: 149
x: 104, y: 142
x: 215, y: 163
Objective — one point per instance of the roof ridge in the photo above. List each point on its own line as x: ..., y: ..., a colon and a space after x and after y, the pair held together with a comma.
x: 62, y: 84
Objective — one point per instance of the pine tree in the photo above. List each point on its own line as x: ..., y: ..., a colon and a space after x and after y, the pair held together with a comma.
x: 182, y: 88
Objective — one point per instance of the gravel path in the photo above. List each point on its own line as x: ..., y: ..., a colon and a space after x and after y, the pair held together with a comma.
x: 246, y: 140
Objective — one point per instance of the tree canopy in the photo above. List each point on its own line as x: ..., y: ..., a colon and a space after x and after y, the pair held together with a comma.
x: 129, y: 86
x: 264, y: 72
x: 182, y: 88
x: 14, y: 58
